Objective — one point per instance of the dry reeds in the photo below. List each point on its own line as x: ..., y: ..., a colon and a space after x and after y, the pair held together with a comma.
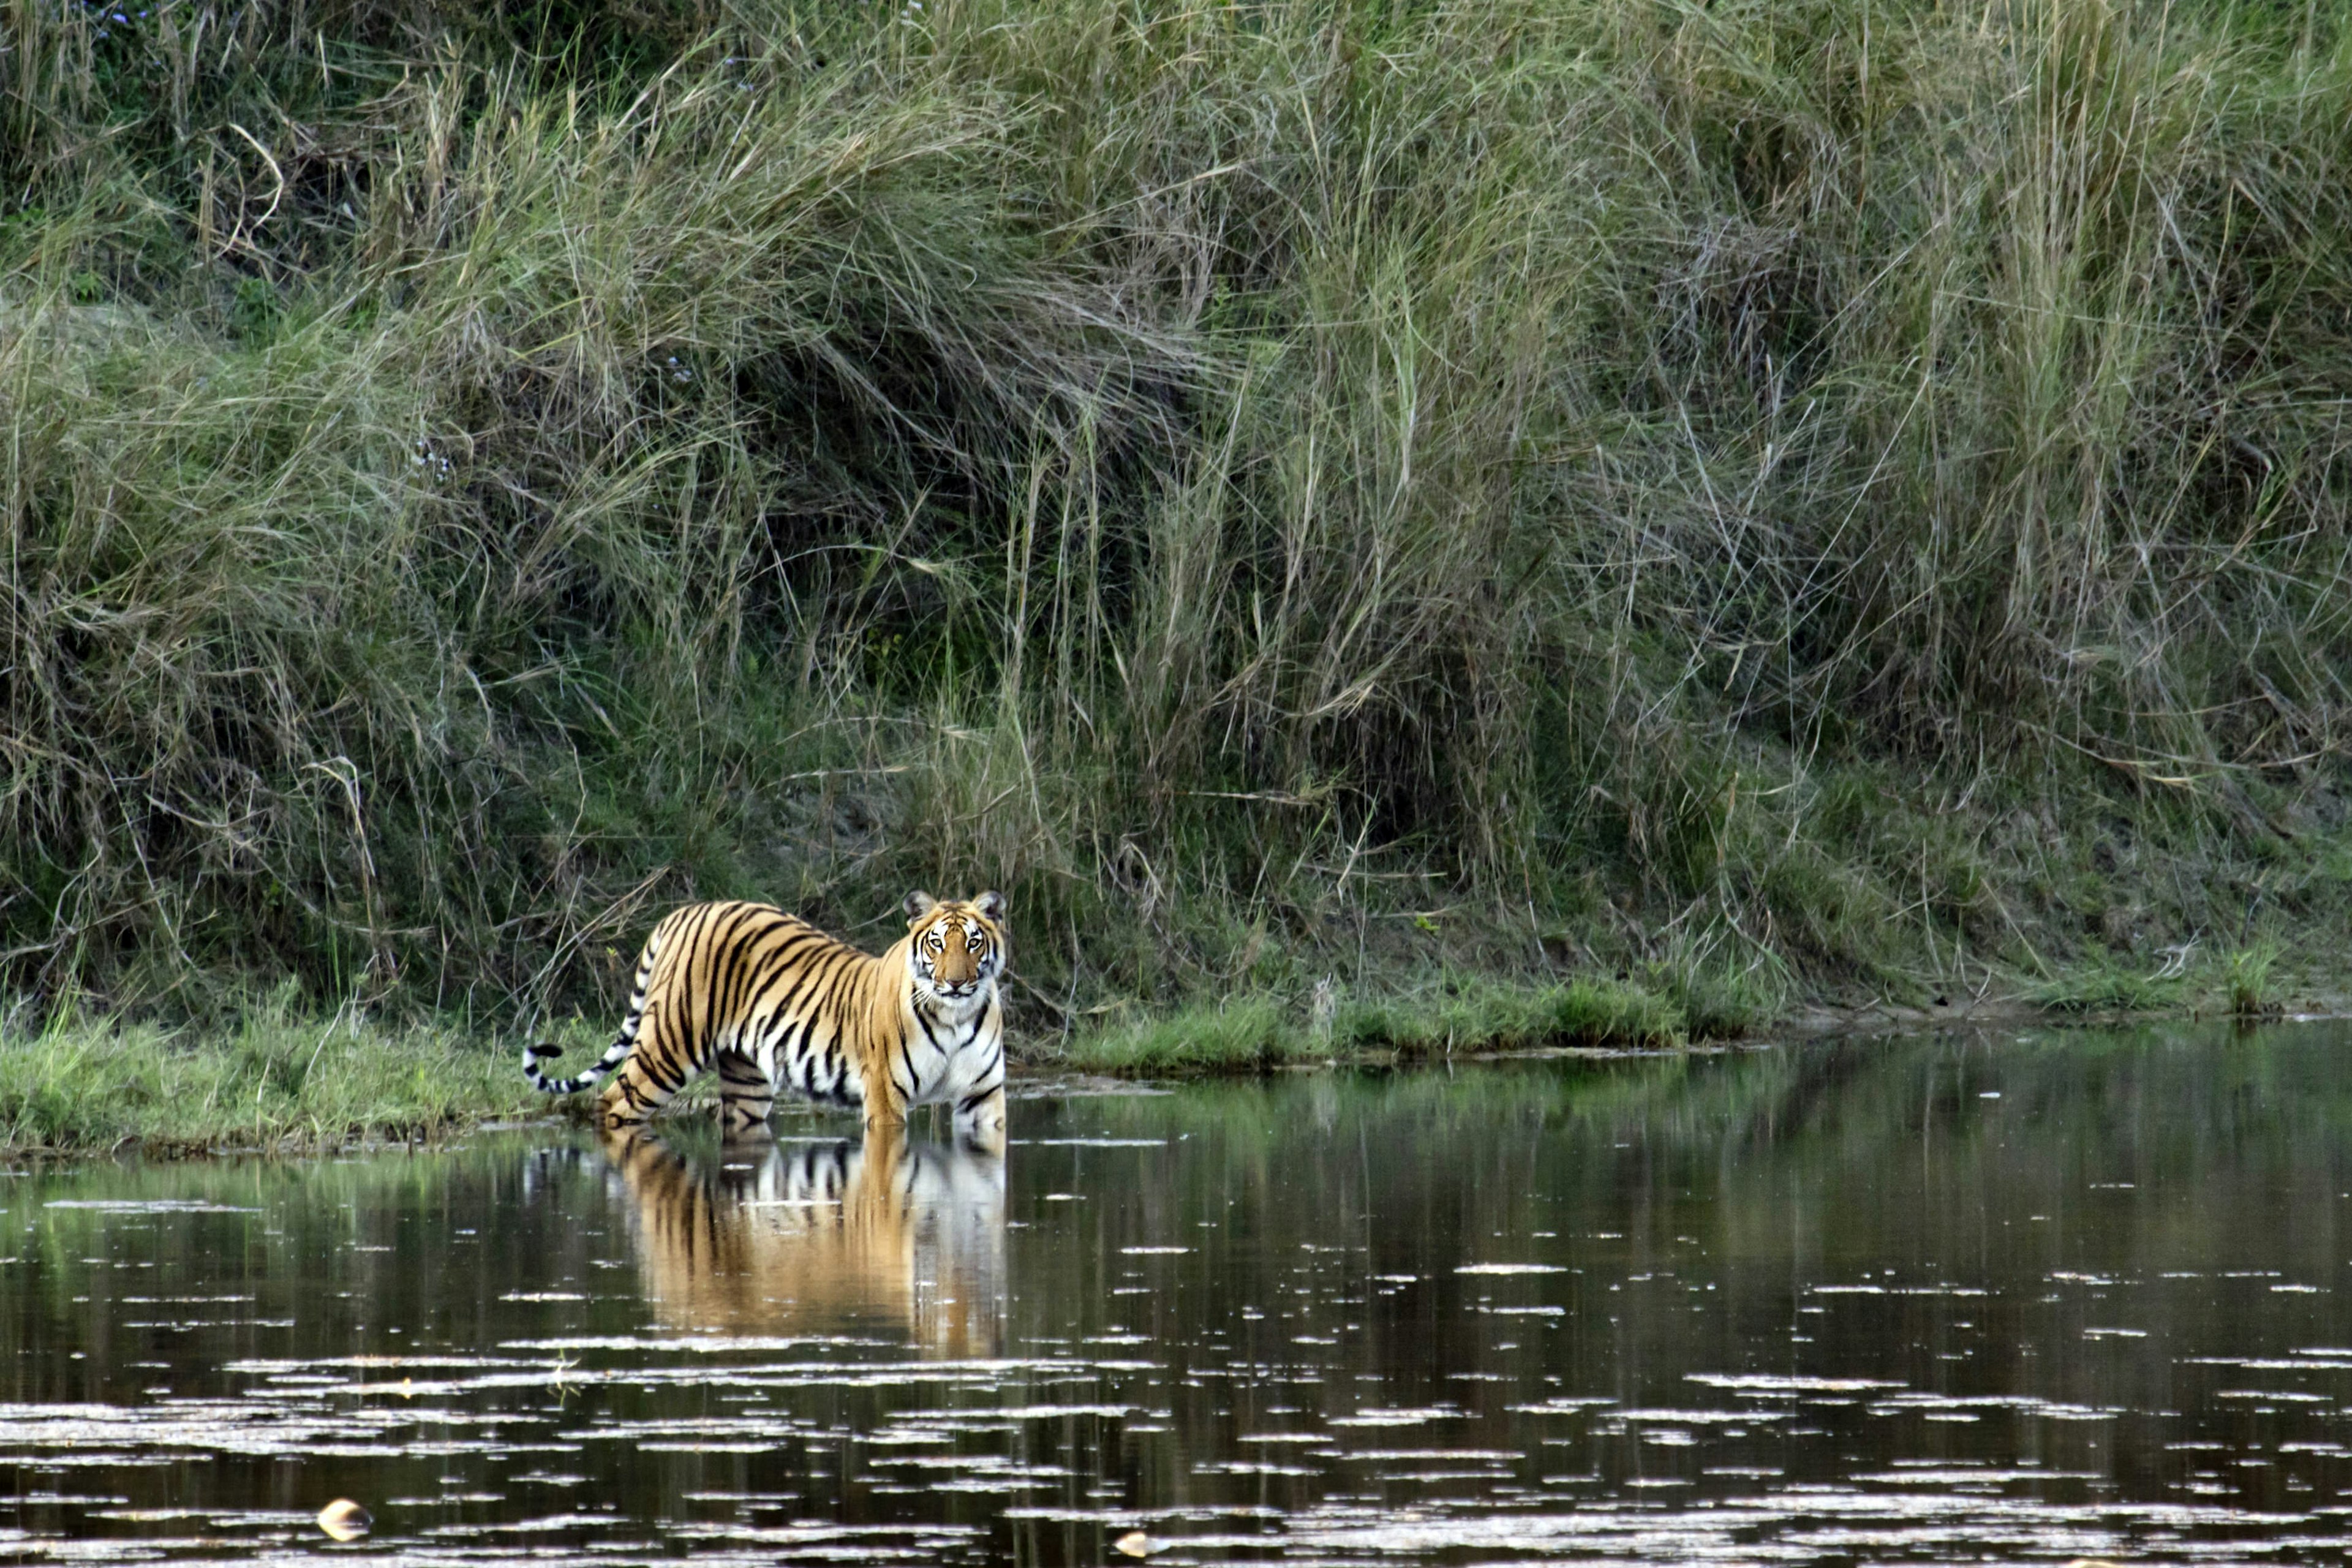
x: 1235, y: 475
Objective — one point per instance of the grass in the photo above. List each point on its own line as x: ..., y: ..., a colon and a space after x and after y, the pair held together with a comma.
x: 1485, y: 1016
x: 272, y: 1083
x: 278, y: 1082
x: 1249, y: 1035
x: 1256, y: 1034
x: 2250, y: 982
x: 1845, y: 501
x: 2104, y: 985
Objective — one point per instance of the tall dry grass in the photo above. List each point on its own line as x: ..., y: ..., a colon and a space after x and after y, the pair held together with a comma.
x: 1852, y: 490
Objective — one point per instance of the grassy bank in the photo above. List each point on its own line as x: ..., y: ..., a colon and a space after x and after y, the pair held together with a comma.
x: 1255, y: 1035
x: 1835, y: 502
x: 274, y: 1083
x: 281, y: 1083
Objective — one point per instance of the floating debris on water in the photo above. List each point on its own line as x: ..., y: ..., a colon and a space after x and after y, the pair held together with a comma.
x: 345, y: 1519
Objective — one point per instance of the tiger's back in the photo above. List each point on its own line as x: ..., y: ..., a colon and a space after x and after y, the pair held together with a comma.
x: 729, y: 979
x: 772, y: 1004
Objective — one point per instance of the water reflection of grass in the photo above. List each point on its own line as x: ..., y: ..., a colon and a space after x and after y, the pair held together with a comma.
x: 1861, y: 1103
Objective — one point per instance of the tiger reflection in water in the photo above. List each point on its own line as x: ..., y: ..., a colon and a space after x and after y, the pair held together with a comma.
x: 821, y: 1237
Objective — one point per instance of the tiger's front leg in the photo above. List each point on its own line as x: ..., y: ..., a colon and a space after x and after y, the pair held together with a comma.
x: 980, y: 1121
x: 884, y: 1102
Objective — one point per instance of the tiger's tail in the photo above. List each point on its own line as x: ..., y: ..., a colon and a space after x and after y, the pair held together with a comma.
x: 615, y: 1053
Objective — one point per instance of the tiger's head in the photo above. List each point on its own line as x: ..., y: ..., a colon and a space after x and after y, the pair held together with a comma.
x: 956, y: 948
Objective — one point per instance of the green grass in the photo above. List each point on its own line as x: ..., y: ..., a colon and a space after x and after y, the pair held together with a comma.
x: 1484, y: 1016
x: 1256, y: 1034
x: 279, y: 1083
x: 1251, y: 1035
x: 2250, y: 979
x: 2107, y: 986
x: 2252, y: 982
x: 272, y: 1083
x: 1846, y: 501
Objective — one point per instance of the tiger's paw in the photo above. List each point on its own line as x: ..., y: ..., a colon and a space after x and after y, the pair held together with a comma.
x: 982, y: 1127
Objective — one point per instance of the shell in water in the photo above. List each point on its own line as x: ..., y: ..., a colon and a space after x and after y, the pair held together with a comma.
x: 344, y: 1520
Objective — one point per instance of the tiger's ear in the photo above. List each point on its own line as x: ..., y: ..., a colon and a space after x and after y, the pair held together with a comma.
x: 920, y: 904
x: 990, y: 905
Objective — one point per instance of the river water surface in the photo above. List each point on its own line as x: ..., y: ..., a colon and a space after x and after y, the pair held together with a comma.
x: 2037, y: 1296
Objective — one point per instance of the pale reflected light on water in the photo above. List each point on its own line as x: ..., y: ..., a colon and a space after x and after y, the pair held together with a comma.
x: 2033, y: 1298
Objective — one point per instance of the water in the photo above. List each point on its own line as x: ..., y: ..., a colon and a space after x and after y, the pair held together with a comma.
x: 2050, y: 1297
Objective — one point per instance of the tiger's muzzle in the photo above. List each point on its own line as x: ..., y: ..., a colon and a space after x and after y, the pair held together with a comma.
x: 955, y: 976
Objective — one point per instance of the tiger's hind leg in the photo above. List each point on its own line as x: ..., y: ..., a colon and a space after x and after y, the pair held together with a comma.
x: 644, y: 1083
x: 630, y: 1099
x: 745, y: 1096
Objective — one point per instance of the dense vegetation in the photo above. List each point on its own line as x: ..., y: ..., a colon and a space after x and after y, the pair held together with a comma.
x: 1845, y: 496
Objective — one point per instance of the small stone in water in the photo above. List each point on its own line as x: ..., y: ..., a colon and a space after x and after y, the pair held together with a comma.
x: 344, y: 1520
x: 1135, y: 1543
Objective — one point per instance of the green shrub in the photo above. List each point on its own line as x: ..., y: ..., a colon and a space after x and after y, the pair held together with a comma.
x: 2246, y: 974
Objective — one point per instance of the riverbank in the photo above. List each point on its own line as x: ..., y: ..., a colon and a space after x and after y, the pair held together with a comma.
x: 275, y: 1081
x: 1777, y: 503
x: 270, y: 1083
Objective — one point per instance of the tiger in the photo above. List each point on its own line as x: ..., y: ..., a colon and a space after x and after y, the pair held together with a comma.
x: 771, y: 1002
x: 891, y: 1232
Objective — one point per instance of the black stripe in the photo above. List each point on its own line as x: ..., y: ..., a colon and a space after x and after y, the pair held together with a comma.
x: 718, y: 978
x: 825, y: 1008
x: 734, y: 966
x: 685, y: 991
x: 782, y: 971
x: 792, y: 1062
x: 838, y: 972
x: 658, y: 1053
x: 718, y: 941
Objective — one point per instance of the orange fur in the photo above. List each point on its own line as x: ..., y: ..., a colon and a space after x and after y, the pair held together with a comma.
x: 772, y: 1003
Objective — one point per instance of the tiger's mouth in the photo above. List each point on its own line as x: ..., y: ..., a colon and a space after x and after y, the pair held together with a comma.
x: 956, y: 991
